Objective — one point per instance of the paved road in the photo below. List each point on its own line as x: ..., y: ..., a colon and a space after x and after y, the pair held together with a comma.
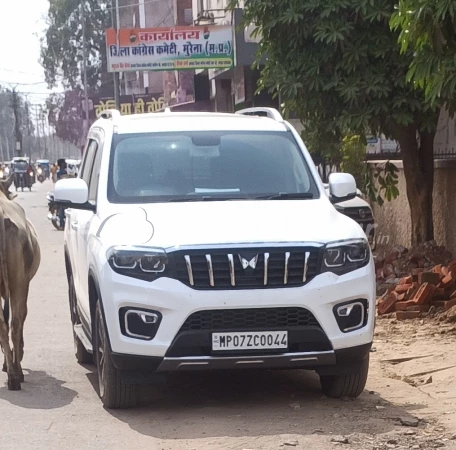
x: 59, y: 407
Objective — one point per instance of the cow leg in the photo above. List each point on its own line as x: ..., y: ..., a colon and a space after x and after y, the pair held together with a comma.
x: 6, y: 318
x: 18, y: 315
x: 14, y: 382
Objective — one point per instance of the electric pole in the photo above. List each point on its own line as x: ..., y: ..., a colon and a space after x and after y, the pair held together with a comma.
x: 27, y: 118
x: 15, y: 104
x: 41, y: 118
x: 116, y: 74
x: 84, y: 72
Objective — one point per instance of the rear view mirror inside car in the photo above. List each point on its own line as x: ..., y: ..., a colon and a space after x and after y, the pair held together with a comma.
x: 206, y: 141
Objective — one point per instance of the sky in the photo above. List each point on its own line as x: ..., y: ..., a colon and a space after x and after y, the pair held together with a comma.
x: 22, y: 23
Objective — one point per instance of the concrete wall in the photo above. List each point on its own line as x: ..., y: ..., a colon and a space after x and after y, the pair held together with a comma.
x: 393, y: 218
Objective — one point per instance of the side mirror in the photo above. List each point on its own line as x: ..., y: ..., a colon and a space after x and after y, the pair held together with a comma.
x: 73, y: 193
x: 342, y: 187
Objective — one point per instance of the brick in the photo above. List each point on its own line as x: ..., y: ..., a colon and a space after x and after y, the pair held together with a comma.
x: 387, y: 305
x: 419, y: 308
x: 404, y: 306
x: 405, y: 315
x: 449, y: 280
x: 415, y: 273
x: 453, y: 295
x: 439, y: 294
x: 429, y: 277
x: 401, y: 297
x: 452, y: 265
x: 424, y: 293
x: 445, y: 271
x: 438, y: 268
x: 449, y: 304
x: 406, y: 280
x: 411, y: 292
x: 402, y: 288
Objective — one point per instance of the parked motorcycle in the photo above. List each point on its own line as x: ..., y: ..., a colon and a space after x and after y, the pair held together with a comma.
x: 54, y: 212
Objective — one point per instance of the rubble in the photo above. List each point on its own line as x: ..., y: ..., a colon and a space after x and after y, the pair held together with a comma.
x: 416, y: 282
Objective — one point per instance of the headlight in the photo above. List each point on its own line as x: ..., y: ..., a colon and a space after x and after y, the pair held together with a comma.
x: 343, y: 257
x: 138, y: 262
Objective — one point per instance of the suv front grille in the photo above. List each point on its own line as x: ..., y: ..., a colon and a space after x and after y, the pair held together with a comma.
x: 249, y: 319
x: 246, y: 268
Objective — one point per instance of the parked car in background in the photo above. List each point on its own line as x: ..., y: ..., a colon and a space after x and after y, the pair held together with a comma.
x: 73, y: 166
x: 360, y: 211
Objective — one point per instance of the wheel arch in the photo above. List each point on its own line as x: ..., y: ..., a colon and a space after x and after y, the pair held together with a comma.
x: 94, y: 294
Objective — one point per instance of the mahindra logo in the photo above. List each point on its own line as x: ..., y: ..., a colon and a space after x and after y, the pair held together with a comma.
x: 248, y: 263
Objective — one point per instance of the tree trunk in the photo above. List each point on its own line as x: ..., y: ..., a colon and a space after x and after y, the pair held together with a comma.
x: 418, y: 159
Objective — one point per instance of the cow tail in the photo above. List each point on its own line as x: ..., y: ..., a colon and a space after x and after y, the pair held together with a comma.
x: 4, y: 286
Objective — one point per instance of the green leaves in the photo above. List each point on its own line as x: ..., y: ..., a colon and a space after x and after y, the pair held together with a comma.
x: 380, y: 183
x: 428, y: 29
x: 61, y: 47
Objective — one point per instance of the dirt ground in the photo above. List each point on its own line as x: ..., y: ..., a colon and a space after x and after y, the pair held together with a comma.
x: 409, y: 403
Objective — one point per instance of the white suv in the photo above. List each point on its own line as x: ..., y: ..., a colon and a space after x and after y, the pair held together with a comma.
x: 199, y: 241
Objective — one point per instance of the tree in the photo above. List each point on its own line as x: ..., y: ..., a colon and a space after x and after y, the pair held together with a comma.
x: 65, y: 115
x: 8, y: 123
x: 428, y: 28
x: 337, y: 64
x: 61, y: 47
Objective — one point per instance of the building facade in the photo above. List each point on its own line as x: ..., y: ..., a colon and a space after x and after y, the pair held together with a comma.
x: 232, y: 89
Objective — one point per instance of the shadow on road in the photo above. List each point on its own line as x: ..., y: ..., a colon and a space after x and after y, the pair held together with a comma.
x: 200, y: 405
x: 40, y: 391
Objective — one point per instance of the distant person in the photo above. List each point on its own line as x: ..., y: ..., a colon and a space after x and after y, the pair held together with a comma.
x: 62, y: 168
x: 54, y: 169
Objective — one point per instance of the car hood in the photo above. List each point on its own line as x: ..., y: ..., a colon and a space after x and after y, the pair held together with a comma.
x: 169, y: 225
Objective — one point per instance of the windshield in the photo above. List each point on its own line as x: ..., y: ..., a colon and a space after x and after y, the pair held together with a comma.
x: 207, y: 165
x: 20, y: 165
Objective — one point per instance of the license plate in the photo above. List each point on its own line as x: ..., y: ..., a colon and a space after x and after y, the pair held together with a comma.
x: 250, y: 340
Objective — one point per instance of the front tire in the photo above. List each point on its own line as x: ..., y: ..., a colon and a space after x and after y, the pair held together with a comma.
x: 348, y: 385
x: 114, y: 393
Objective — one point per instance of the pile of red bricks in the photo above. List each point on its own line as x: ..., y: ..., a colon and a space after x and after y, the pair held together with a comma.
x: 421, y: 292
x: 398, y: 261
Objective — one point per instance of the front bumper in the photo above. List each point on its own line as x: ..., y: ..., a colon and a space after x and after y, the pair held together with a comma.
x: 176, y: 302
x: 334, y: 362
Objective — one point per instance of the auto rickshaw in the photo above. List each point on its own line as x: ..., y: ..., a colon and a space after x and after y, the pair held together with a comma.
x: 44, y: 166
x: 24, y: 175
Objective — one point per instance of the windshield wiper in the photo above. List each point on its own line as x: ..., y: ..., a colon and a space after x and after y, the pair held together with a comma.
x: 204, y: 198
x: 286, y: 196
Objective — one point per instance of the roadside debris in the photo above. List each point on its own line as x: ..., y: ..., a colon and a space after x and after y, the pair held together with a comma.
x: 340, y: 440
x: 427, y: 284
x: 409, y: 421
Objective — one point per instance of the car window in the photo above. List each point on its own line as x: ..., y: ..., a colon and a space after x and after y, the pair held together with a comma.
x: 166, y: 166
x: 86, y: 171
x: 93, y: 185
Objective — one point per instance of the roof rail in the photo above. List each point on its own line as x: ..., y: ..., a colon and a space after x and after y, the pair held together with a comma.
x: 272, y: 113
x: 110, y: 114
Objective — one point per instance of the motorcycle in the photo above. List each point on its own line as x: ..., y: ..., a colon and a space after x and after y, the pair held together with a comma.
x: 55, y: 212
x: 41, y: 176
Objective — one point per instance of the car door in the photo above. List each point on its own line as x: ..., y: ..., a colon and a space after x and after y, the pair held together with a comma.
x: 71, y: 230
x: 73, y: 218
x: 84, y: 222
